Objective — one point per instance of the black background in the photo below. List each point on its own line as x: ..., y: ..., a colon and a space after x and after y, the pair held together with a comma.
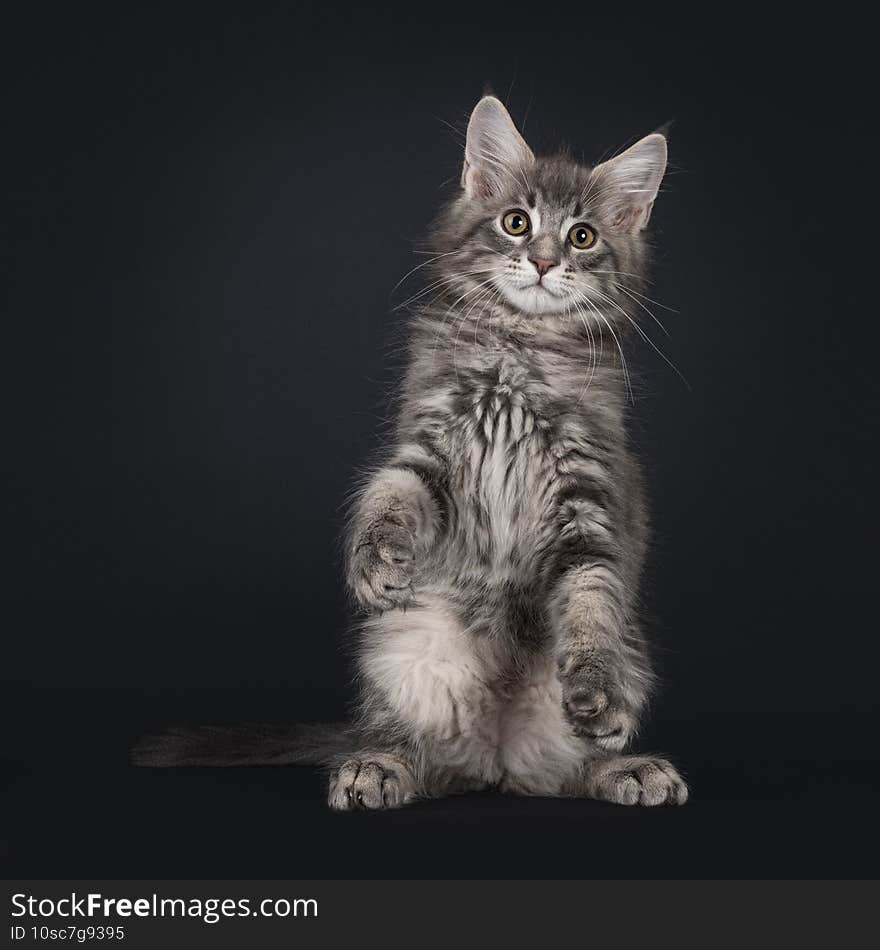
x: 206, y: 215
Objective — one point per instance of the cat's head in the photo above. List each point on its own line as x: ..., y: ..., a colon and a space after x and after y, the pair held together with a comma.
x: 545, y: 235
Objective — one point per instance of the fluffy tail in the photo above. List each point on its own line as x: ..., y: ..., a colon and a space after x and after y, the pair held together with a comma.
x: 246, y: 744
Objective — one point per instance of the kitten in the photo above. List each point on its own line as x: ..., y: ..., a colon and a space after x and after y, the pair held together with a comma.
x: 496, y: 554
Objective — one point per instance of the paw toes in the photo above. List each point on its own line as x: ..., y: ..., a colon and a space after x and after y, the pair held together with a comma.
x: 596, y: 710
x: 631, y: 781
x: 655, y: 785
x: 677, y: 788
x: 381, y: 573
x: 366, y: 785
x: 392, y: 793
x: 341, y: 797
x: 678, y: 793
x: 585, y: 704
x: 610, y: 727
x: 395, y: 554
x: 627, y: 791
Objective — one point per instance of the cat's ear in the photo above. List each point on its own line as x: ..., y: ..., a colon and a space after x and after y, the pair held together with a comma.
x: 628, y: 183
x: 495, y: 153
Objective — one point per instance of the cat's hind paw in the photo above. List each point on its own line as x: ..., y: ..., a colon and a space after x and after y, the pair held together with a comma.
x: 371, y: 782
x: 634, y: 780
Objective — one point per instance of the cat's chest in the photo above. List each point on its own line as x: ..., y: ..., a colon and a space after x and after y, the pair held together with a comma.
x: 502, y: 419
x: 505, y: 474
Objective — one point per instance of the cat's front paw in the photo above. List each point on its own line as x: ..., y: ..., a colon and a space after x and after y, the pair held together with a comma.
x: 381, y: 566
x: 593, y: 701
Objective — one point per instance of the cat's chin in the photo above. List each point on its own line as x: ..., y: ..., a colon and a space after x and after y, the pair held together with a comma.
x: 535, y: 300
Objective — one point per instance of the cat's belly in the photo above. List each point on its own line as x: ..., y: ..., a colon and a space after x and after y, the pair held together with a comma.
x: 451, y: 692
x: 518, y: 743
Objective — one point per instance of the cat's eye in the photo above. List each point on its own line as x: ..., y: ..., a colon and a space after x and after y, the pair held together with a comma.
x: 582, y: 236
x: 516, y: 222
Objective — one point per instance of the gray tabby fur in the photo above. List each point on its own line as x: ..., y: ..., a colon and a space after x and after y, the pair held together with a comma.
x: 496, y: 554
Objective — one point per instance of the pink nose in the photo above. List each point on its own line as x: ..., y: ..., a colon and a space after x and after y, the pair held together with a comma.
x: 542, y: 265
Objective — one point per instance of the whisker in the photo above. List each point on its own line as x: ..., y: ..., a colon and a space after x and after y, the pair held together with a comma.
x: 624, y: 367
x: 594, y: 359
x: 636, y: 300
x: 449, y: 311
x: 451, y: 279
x: 430, y: 260
x: 624, y: 273
x: 484, y: 294
x: 588, y: 377
x: 644, y: 336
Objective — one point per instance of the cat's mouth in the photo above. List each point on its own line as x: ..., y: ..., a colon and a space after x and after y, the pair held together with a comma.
x: 536, y: 298
x: 538, y: 285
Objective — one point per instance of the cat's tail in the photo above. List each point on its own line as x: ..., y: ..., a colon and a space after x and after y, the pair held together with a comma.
x: 245, y: 744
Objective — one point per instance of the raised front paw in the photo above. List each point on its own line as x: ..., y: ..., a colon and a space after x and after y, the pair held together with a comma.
x: 593, y: 701
x: 380, y: 570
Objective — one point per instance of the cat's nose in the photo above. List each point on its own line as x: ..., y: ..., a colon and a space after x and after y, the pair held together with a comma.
x: 542, y: 264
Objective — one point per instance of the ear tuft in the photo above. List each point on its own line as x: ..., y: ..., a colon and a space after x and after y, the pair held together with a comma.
x: 629, y: 182
x: 495, y: 152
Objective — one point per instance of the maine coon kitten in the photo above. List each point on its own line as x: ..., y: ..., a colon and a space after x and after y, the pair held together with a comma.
x: 496, y: 554
x: 498, y: 550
